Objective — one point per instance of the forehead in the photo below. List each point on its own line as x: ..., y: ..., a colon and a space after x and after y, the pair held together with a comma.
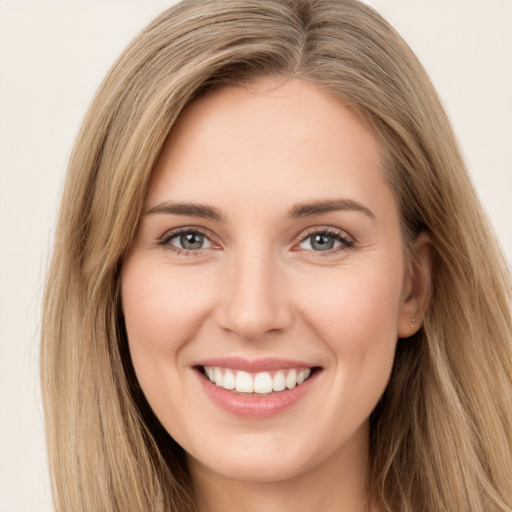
x: 289, y: 138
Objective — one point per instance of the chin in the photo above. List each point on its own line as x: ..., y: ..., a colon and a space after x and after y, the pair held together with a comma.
x: 255, y: 458
x: 255, y: 469
x: 265, y: 457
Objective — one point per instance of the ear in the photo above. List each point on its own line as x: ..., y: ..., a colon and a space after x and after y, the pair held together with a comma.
x: 417, y: 287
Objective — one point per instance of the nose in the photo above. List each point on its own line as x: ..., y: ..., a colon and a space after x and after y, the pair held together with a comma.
x: 254, y: 302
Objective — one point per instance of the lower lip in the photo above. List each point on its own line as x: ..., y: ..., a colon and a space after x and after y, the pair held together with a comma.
x: 254, y: 406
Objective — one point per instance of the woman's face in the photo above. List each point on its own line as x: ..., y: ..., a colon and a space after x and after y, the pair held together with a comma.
x: 269, y: 251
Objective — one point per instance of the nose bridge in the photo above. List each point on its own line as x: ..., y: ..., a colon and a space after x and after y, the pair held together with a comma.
x: 254, y: 300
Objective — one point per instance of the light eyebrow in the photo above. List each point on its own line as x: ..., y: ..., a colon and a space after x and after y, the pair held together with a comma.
x: 326, y: 206
x: 189, y: 209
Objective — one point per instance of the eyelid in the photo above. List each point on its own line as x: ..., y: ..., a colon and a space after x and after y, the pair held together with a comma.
x: 164, y: 239
x: 347, y: 240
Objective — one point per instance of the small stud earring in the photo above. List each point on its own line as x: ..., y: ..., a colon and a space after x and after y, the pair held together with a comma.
x: 413, y: 320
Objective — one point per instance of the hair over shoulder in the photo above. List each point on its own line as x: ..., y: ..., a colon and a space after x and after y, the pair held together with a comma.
x: 441, y: 435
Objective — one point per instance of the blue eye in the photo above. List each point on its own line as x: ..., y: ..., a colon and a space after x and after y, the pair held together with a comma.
x: 188, y: 241
x: 325, y: 241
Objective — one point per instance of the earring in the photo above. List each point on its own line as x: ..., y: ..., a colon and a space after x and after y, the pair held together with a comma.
x: 413, y: 320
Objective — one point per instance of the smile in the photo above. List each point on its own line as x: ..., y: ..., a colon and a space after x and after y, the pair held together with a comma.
x: 256, y: 389
x: 261, y: 383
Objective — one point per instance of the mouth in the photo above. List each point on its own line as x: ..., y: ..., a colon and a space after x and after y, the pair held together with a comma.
x: 256, y: 389
x: 254, y: 384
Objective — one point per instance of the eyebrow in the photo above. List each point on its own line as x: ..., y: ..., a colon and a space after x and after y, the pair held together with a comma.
x: 330, y: 205
x: 299, y: 210
x: 189, y: 209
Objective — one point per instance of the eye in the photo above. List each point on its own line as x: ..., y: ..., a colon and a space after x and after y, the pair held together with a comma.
x: 320, y: 241
x: 188, y: 240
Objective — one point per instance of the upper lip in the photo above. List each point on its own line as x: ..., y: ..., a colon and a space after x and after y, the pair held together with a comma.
x: 254, y: 365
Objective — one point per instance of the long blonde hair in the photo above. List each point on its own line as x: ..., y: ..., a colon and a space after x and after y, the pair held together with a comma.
x: 442, y: 432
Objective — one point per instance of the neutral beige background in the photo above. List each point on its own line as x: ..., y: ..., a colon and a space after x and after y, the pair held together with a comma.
x: 52, y: 57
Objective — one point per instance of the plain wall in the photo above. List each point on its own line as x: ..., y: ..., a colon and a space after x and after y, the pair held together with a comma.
x: 53, y: 56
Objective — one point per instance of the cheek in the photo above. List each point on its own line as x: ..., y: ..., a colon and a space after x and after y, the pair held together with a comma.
x: 357, y: 320
x: 355, y: 305
x: 162, y: 309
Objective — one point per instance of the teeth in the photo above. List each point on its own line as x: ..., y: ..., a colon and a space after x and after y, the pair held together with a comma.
x: 291, y: 379
x: 279, y: 381
x: 261, y: 382
x: 244, y: 382
x: 229, y: 380
x: 218, y: 377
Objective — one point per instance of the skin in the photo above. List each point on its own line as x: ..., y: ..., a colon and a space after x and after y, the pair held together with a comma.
x: 259, y: 288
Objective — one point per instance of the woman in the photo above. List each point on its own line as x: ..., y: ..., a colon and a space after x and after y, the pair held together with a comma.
x: 273, y: 286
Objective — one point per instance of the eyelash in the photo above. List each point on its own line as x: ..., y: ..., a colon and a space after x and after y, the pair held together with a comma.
x: 164, y: 241
x: 346, y: 242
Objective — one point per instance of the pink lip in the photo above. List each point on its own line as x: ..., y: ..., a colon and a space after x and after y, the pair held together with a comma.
x: 254, y: 406
x: 267, y: 364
